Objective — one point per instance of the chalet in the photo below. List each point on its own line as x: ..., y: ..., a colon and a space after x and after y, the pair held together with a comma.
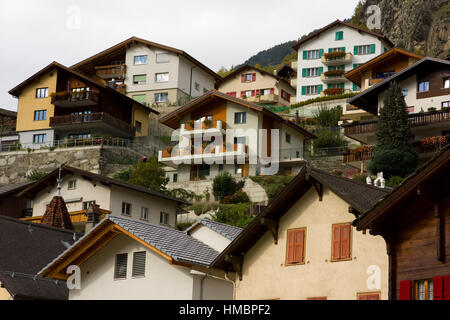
x: 124, y: 259
x: 414, y: 220
x: 10, y: 204
x: 220, y: 114
x: 304, y: 247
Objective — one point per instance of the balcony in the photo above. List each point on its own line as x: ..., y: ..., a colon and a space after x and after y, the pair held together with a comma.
x: 174, y: 156
x: 122, y: 89
x: 268, y: 98
x: 75, y: 99
x: 117, y: 71
x: 294, y: 82
x: 94, y: 120
x: 193, y: 128
x: 333, y: 76
x: 336, y: 59
x: 291, y: 155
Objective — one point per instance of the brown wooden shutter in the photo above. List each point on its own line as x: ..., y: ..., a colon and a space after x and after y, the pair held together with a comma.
x: 290, y: 247
x: 298, y: 246
x: 243, y: 78
x: 254, y: 77
x: 336, y: 243
x: 345, y: 241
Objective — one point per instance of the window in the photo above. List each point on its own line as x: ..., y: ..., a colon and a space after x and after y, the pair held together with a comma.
x: 140, y: 59
x: 140, y: 79
x: 72, y: 184
x: 175, y: 177
x: 340, y: 49
x: 79, y: 136
x: 162, y: 77
x: 295, y: 244
x: 288, y: 138
x: 286, y: 96
x: 120, y: 270
x: 266, y: 92
x: 312, y: 54
x: 141, y: 98
x: 311, y: 72
x: 161, y: 97
x: 126, y: 209
x: 340, y: 35
x: 164, y: 218
x: 87, y: 204
x: 240, y: 140
x: 40, y: 115
x: 240, y: 117
x: 446, y: 83
x: 311, y: 90
x: 139, y: 264
x: 365, y: 49
x: 138, y: 126
x: 162, y: 57
x: 424, y: 86
x: 369, y: 296
x: 248, y: 93
x: 446, y: 104
x: 221, y: 167
x: 249, y: 77
x: 39, y: 138
x: 423, y: 290
x: 144, y: 213
x: 197, y: 86
x: 341, y: 242
x: 41, y: 93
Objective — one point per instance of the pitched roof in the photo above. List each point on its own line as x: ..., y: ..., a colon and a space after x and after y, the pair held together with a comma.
x: 57, y: 215
x: 43, y: 182
x: 341, y: 23
x: 124, y: 44
x: 8, y: 113
x: 368, y: 99
x: 13, y: 188
x: 355, y: 74
x: 176, y: 246
x: 229, y: 232
x: 358, y: 195
x: 25, y: 248
x: 263, y: 72
x: 55, y: 65
x: 439, y: 165
x: 172, y: 119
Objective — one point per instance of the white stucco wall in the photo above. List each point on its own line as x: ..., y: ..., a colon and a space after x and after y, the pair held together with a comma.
x: 328, y: 40
x: 265, y: 275
x: 26, y: 138
x: 204, y: 79
x: 210, y: 237
x: 162, y: 281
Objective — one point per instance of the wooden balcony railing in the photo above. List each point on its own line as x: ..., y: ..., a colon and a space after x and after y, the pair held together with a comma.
x: 175, y: 152
x: 75, y: 99
x: 415, y: 120
x: 111, y: 71
x: 92, y: 118
x: 216, y: 124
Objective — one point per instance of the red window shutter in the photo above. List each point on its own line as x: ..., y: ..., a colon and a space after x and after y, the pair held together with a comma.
x: 373, y: 297
x: 253, y: 93
x: 298, y: 246
x: 258, y: 92
x: 254, y: 77
x: 243, y: 78
x: 234, y: 94
x: 290, y: 246
x: 242, y: 94
x: 345, y: 241
x: 272, y: 91
x: 363, y: 297
x: 446, y: 289
x: 438, y: 288
x: 336, y: 242
x: 405, y: 290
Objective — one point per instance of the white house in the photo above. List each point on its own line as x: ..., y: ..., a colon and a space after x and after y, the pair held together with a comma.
x: 122, y: 259
x: 326, y: 54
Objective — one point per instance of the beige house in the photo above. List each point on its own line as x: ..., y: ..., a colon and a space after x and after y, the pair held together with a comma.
x: 257, y: 86
x: 304, y: 247
x: 123, y: 259
x: 81, y: 188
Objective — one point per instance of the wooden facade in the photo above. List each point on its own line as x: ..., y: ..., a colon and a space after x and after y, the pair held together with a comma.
x: 415, y: 222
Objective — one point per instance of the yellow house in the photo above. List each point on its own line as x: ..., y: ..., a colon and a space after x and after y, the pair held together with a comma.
x: 303, y: 247
x: 58, y: 103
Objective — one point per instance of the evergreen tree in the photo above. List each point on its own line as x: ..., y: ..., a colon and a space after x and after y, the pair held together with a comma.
x: 394, y: 154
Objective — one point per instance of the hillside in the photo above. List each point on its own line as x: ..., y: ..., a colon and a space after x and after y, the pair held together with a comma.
x: 420, y: 26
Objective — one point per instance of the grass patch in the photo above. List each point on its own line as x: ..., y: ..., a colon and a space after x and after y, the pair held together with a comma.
x: 273, y: 185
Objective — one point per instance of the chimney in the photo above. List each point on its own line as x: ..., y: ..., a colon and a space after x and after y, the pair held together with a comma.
x: 57, y: 215
x: 297, y: 118
x: 93, y: 217
x: 380, y: 180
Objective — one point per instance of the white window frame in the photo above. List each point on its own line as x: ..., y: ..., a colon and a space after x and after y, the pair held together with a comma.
x: 164, y: 218
x: 159, y: 79
x: 142, y: 82
x: 313, y: 54
x: 140, y: 63
x: 72, y: 185
x: 144, y: 213
x: 158, y: 96
x: 41, y: 93
x: 116, y: 266
x: 126, y: 209
x: 312, y: 90
x: 364, y: 49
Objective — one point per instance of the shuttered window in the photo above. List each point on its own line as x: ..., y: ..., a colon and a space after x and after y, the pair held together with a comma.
x: 341, y: 242
x: 120, y: 270
x: 405, y: 290
x: 139, y: 264
x: 140, y: 79
x: 295, y: 246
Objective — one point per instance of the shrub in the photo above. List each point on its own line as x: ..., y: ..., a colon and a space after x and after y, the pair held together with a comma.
x: 327, y: 138
x: 335, y: 54
x: 325, y: 98
x: 225, y: 185
x: 238, y: 197
x: 333, y: 91
x: 198, y: 197
x: 182, y: 194
x: 432, y: 109
x: 360, y: 178
x: 393, y: 162
x: 207, y: 194
x: 234, y: 214
x: 273, y: 185
x: 35, y: 175
x: 395, y: 181
x: 123, y: 175
x: 337, y: 172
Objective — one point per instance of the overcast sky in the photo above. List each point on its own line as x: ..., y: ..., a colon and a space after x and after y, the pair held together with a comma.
x: 217, y: 33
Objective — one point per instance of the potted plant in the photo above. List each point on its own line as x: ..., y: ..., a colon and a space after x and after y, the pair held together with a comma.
x: 207, y: 123
x: 189, y: 125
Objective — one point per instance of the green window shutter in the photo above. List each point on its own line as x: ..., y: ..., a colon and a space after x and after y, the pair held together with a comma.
x: 355, y: 65
x: 330, y: 50
x: 355, y: 50
x: 320, y: 88
x: 342, y: 85
x: 343, y: 49
x: 329, y: 68
x: 355, y: 87
x: 372, y: 48
x: 303, y: 90
x: 321, y: 51
x: 320, y: 71
x: 304, y: 73
x: 139, y: 98
x: 140, y: 78
x: 328, y: 86
x: 342, y: 67
x: 340, y: 35
x: 305, y: 54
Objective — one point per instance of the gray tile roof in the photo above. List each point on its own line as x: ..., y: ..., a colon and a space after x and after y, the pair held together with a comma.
x: 11, y: 188
x: 229, y: 232
x: 176, y: 244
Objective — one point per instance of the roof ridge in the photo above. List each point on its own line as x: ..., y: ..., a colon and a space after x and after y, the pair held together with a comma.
x: 38, y: 225
x: 220, y: 223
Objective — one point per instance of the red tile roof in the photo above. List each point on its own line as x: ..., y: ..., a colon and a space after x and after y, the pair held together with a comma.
x: 57, y: 214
